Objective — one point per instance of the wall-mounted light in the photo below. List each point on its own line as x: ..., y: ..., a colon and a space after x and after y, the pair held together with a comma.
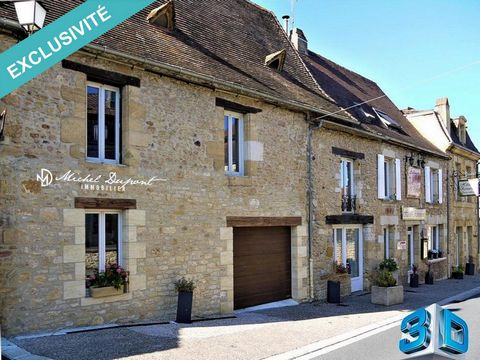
x: 31, y: 15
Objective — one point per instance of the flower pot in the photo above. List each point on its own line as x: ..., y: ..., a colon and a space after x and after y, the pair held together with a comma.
x: 184, y: 307
x: 435, y: 255
x: 387, y: 295
x: 440, y: 254
x: 414, y: 280
x: 333, y: 291
x: 470, y: 269
x: 430, y: 255
x: 98, y: 292
x: 429, y: 278
x: 457, y: 275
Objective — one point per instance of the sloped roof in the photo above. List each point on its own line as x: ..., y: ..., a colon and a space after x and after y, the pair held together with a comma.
x: 227, y: 40
x: 456, y: 138
x: 348, y: 88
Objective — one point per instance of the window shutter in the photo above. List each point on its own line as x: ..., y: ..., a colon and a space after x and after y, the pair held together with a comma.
x: 440, y: 189
x: 381, y: 177
x: 428, y: 195
x: 398, y: 180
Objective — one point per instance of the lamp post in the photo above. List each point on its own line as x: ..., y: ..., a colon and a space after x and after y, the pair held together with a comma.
x: 31, y: 15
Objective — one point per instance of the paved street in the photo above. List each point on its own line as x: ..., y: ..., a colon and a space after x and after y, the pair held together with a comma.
x: 385, y: 344
x: 251, y: 335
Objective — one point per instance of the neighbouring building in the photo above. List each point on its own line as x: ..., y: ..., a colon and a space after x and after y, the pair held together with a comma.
x: 450, y: 135
x: 371, y: 183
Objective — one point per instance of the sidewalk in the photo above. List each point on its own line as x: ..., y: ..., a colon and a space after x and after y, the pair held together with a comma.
x: 251, y: 335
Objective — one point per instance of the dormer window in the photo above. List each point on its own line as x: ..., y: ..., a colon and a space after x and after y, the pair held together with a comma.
x: 276, y: 60
x: 163, y: 16
x: 387, y: 120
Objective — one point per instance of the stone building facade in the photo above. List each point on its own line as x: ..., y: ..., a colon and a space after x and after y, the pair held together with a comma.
x: 451, y: 136
x: 236, y: 166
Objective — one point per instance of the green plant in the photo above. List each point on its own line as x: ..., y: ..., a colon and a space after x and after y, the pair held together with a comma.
x: 457, y: 269
x: 184, y: 285
x: 384, y: 278
x: 389, y: 264
x: 340, y: 269
x: 114, y: 275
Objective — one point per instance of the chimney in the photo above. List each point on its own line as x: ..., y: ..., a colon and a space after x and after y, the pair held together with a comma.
x: 285, y: 19
x: 299, y: 41
x: 442, y: 107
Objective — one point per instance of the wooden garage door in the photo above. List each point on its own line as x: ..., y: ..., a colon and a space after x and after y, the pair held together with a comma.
x: 261, y: 265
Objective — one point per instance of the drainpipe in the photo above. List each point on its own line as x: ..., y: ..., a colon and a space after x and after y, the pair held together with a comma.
x: 448, y: 222
x: 310, y: 128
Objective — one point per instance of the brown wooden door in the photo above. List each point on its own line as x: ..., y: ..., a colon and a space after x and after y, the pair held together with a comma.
x: 261, y: 265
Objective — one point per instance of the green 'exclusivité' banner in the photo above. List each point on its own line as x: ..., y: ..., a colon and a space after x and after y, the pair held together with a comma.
x: 61, y: 38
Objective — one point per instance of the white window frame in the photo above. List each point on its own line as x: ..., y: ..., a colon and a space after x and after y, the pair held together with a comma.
x: 101, y: 124
x: 430, y: 173
x: 241, y: 147
x: 389, y: 178
x: 101, y: 236
x: 434, y: 237
x: 351, y: 183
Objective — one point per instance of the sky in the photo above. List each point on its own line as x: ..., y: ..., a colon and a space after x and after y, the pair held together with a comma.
x: 416, y: 51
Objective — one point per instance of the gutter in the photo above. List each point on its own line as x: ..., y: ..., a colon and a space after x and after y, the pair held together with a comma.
x: 201, y: 79
x: 385, y: 138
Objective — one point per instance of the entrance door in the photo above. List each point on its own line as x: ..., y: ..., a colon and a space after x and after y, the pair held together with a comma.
x: 411, y: 247
x: 348, y: 247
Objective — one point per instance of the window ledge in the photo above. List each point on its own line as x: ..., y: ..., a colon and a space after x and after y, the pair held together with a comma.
x: 433, y: 261
x: 100, y: 163
x: 239, y: 180
x: 108, y: 299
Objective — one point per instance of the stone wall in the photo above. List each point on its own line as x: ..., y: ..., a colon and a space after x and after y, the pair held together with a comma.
x: 172, y: 130
x: 386, y: 213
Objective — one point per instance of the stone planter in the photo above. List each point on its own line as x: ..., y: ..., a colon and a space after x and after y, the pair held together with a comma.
x: 387, y: 295
x: 98, y: 292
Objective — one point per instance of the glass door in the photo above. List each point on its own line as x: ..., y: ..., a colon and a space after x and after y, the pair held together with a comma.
x: 348, y: 248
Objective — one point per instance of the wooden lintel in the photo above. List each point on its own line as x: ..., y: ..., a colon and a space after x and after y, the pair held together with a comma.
x: 349, y: 219
x: 103, y: 203
x: 245, y: 221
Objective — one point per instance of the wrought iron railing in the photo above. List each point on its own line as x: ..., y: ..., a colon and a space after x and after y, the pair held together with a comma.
x: 349, y: 203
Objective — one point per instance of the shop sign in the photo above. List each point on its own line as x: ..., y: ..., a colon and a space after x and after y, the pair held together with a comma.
x: 414, y: 182
x: 411, y: 213
x: 111, y: 183
x: 468, y: 187
x: 402, y: 245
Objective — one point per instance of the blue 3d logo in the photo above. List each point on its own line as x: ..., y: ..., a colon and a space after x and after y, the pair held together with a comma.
x: 434, y: 330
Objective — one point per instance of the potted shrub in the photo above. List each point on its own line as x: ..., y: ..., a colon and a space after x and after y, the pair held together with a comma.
x: 457, y: 272
x: 430, y: 254
x: 110, y: 282
x: 470, y: 268
x: 390, y: 265
x: 429, y: 276
x: 440, y: 254
x: 414, y: 277
x: 385, y: 291
x: 185, y: 296
x: 435, y: 254
x: 334, y: 286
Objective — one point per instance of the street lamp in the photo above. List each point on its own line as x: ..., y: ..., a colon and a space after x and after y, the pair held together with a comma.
x: 31, y: 15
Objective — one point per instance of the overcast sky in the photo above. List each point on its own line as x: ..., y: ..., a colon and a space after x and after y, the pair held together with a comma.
x: 415, y: 50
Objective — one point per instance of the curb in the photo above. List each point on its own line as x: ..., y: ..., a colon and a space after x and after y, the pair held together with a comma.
x: 13, y: 352
x: 325, y: 346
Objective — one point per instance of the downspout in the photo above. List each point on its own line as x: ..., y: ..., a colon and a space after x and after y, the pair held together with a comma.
x: 448, y: 223
x: 310, y: 128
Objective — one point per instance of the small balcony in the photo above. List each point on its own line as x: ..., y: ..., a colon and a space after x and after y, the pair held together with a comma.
x: 349, y: 203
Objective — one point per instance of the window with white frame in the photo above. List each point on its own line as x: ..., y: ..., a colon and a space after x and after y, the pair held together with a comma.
x: 234, y: 143
x: 347, y: 185
x: 103, y: 123
x: 433, y: 185
x: 388, y: 241
x: 103, y: 240
x: 434, y: 238
x: 389, y: 178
